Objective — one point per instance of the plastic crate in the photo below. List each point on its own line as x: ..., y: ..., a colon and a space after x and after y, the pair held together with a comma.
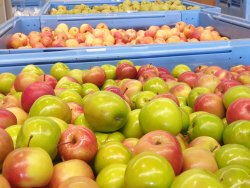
x: 226, y: 55
x: 70, y: 4
x: 32, y: 3
x: 240, y: 8
x: 232, y: 27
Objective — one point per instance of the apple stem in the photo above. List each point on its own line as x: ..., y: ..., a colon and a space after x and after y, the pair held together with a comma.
x: 125, y: 91
x: 106, y: 139
x: 44, y: 77
x: 31, y: 136
x: 214, y: 148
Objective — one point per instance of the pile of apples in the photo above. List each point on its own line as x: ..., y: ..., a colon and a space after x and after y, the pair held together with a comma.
x: 126, y: 6
x: 125, y: 126
x: 101, y: 35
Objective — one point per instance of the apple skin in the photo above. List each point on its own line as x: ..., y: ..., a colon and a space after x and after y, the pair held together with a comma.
x: 105, y: 119
x: 206, y: 124
x: 77, y: 74
x: 39, y: 132
x: 7, y: 118
x: 179, y: 69
x: 68, y: 169
x: 140, y: 99
x: 163, y: 143
x: 33, y: 68
x: 103, y: 138
x: 21, y: 168
x: 58, y: 70
x: 20, y: 114
x: 130, y: 143
x: 3, y: 182
x: 78, y: 182
x: 194, y: 93
x: 238, y: 110
x: 7, y: 80
x: 235, y: 93
x: 48, y: 105
x: 88, y: 88
x: 131, y: 87
x: 70, y: 96
x: 6, y: 145
x: 188, y: 77
x: 111, y: 176
x: 125, y: 70
x: 95, y: 75
x: 132, y: 128
x: 33, y: 92
x: 110, y: 71
x: 234, y: 176
x: 156, y: 116
x: 211, y: 103
x: 147, y: 169
x: 77, y: 142
x: 237, y: 132
x: 49, y: 79
x: 195, y: 157
x: 156, y: 85
x: 24, y: 79
x: 196, y: 178
x: 13, y: 131
x: 233, y: 154
x: 111, y: 153
x: 205, y: 142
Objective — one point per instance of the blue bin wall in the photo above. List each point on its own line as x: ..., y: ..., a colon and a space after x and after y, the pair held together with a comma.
x: 29, y: 2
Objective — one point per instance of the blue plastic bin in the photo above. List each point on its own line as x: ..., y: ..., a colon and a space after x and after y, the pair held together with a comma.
x: 32, y: 3
x: 233, y: 27
x: 240, y: 8
x: 70, y: 4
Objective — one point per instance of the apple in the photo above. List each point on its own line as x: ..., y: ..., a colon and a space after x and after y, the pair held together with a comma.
x: 81, y: 120
x: 116, y: 90
x: 62, y: 124
x: 111, y: 153
x: 109, y: 82
x: 130, y: 143
x: 233, y: 154
x: 95, y: 75
x: 24, y: 79
x: 156, y: 85
x: 179, y: 69
x: 7, y: 80
x: 210, y: 102
x: 88, y: 88
x: 147, y: 71
x: 188, y: 77
x: 19, y: 113
x: 7, y: 118
x: 208, y: 81
x: 235, y: 93
x: 17, y: 40
x: 6, y: 145
x: 58, y: 70
x: 111, y: 176
x: 86, y: 28
x: 239, y: 109
x: 142, y: 98
x: 103, y: 138
x: 77, y: 74
x: 147, y: 169
x: 39, y: 132
x: 169, y: 96
x: 110, y: 71
x: 34, y: 69
x: 195, y: 157
x: 21, y: 168
x: 181, y: 90
x: 74, y: 86
x: 237, y: 132
x: 11, y: 100
x: 163, y: 143
x: 234, y: 176
x: 78, y: 182
x: 68, y: 169
x: 206, y: 124
x: 194, y: 93
x: 49, y: 105
x: 70, y: 96
x: 156, y: 116
x: 3, y: 182
x: 50, y: 80
x: 77, y: 142
x: 102, y: 118
x: 205, y: 142
x: 13, y: 131
x: 130, y: 87
x: 76, y: 110
x: 125, y: 70
x: 182, y: 141
x: 196, y: 178
x: 132, y: 128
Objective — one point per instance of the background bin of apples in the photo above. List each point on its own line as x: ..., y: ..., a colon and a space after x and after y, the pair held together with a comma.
x: 125, y: 126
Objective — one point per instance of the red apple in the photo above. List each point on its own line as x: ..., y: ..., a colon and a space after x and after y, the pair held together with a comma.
x: 208, y: 80
x: 7, y: 118
x: 78, y: 182
x: 188, y: 30
x: 78, y: 142
x: 24, y: 79
x: 116, y: 90
x: 164, y: 144
x: 95, y: 75
x: 49, y: 79
x: 125, y: 70
x: 130, y: 143
x: 188, y: 77
x: 238, y: 110
x: 224, y: 85
x: 223, y: 74
x: 76, y: 110
x: 3, y: 182
x: 17, y: 40
x: 169, y: 96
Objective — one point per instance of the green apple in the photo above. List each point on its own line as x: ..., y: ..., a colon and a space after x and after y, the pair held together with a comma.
x: 194, y: 93
x: 230, y: 154
x: 206, y: 124
x: 156, y: 85
x: 125, y: 61
x: 112, y: 176
x: 196, y: 178
x: 13, y: 131
x: 237, y: 132
x: 186, y: 109
x: 49, y: 105
x: 103, y: 138
x: 234, y: 176
x: 111, y: 153
x: 33, y: 68
x: 71, y: 86
x: 81, y: 120
x: 148, y: 169
x: 106, y: 111
x: 185, y: 121
x: 161, y: 114
x: 109, y: 82
x: 182, y: 100
x: 76, y: 74
x: 110, y: 71
x: 58, y: 70
x: 62, y: 124
x: 70, y: 96
x: 89, y: 88
x: 142, y: 98
x: 132, y: 128
x: 235, y: 93
x: 179, y: 69
x: 39, y: 132
x: 7, y: 80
